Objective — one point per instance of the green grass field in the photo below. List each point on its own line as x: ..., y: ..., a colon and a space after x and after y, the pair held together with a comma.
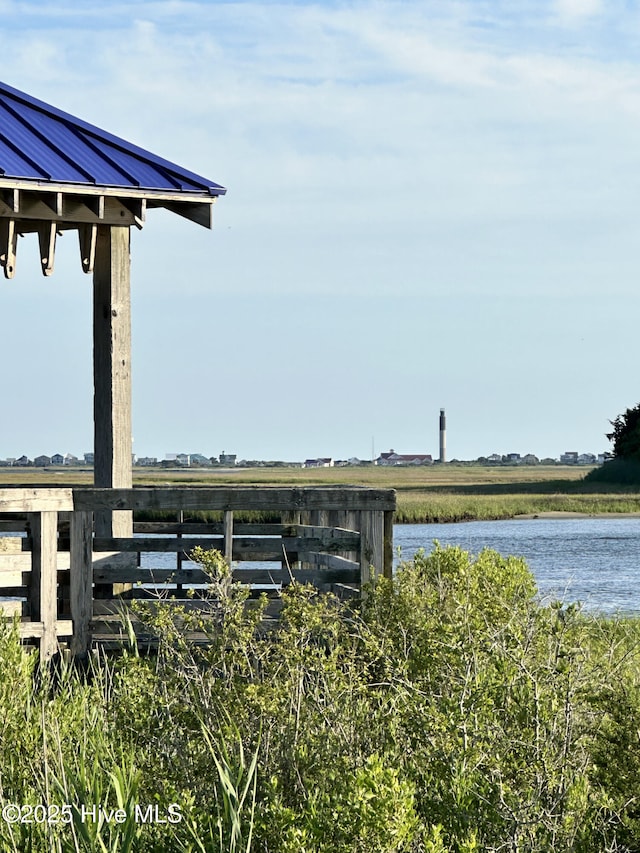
x: 437, y: 493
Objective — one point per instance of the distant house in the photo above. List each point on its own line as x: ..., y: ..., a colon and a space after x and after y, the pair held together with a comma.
x: 42, y: 461
x: 494, y: 458
x: 57, y: 459
x: 587, y: 459
x: 23, y: 462
x: 513, y: 457
x: 569, y: 458
x: 147, y: 461
x: 200, y: 461
x: 228, y: 459
x: 393, y: 458
x: 70, y: 459
x: 323, y: 462
x: 530, y: 459
x: 89, y: 458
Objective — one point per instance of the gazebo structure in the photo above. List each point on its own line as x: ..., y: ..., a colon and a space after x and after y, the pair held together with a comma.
x: 67, y: 579
x: 58, y: 173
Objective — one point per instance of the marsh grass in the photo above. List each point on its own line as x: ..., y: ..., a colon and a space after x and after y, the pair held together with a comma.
x: 424, y: 494
x: 446, y: 507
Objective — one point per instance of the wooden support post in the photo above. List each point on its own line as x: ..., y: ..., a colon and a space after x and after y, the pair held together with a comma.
x: 287, y: 566
x: 47, y: 239
x: 112, y: 360
x: 371, y: 545
x: 345, y: 520
x: 319, y: 518
x: 387, y: 569
x: 44, y: 578
x: 228, y: 536
x: 179, y: 554
x: 8, y: 246
x: 81, y: 581
x: 112, y: 376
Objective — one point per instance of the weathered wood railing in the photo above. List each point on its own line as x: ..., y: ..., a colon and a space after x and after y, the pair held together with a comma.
x: 64, y: 584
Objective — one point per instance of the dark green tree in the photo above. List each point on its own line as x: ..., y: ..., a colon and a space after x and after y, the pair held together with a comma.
x: 626, y: 434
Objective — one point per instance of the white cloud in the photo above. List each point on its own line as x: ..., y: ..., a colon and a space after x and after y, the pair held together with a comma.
x: 577, y: 10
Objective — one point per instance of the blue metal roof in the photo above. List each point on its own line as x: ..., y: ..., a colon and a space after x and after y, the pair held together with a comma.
x: 43, y: 144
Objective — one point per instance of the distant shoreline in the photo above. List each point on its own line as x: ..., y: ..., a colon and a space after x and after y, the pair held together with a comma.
x: 559, y: 514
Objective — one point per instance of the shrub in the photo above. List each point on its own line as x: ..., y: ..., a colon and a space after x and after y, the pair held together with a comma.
x: 448, y: 711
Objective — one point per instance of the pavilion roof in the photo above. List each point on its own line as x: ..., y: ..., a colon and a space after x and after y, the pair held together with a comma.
x: 47, y: 150
x: 59, y: 173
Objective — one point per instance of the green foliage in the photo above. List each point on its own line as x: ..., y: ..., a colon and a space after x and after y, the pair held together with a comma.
x: 448, y: 711
x: 622, y: 472
x: 626, y: 434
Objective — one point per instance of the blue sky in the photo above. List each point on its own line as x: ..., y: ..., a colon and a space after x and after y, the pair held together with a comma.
x: 430, y: 204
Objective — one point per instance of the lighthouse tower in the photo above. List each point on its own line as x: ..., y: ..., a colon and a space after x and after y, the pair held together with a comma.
x: 443, y: 437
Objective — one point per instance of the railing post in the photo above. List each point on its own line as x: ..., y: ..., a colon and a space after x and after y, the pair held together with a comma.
x: 81, y: 582
x: 178, y: 553
x: 387, y: 570
x: 44, y: 578
x: 371, y: 545
x: 228, y: 536
x: 286, y: 566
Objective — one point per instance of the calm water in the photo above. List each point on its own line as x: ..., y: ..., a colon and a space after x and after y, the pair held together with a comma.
x: 592, y: 560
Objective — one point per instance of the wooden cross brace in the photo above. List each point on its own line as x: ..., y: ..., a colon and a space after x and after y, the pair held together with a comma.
x: 10, y: 230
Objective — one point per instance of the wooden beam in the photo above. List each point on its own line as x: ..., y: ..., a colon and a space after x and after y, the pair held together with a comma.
x: 274, y: 499
x: 112, y: 372
x: 81, y: 581
x: 201, y: 214
x: 387, y: 569
x: 88, y: 235
x: 228, y: 536
x: 47, y: 239
x: 8, y: 246
x: 36, y: 500
x: 138, y: 207
x: 156, y: 198
x: 348, y: 541
x: 95, y: 203
x: 10, y: 198
x: 371, y: 545
x: 44, y: 579
x: 75, y: 210
x: 54, y: 201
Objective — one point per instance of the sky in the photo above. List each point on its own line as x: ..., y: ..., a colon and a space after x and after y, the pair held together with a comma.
x: 430, y: 204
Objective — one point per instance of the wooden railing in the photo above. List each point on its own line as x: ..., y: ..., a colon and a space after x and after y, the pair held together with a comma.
x: 64, y: 583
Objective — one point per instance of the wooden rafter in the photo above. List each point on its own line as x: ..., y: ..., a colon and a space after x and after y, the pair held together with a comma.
x: 8, y: 246
x: 49, y: 211
x: 87, y: 235
x: 47, y: 232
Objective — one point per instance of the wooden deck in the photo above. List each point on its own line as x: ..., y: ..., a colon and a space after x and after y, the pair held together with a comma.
x: 69, y: 585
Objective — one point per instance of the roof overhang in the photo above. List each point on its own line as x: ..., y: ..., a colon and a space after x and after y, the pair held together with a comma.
x: 64, y: 202
x: 48, y: 209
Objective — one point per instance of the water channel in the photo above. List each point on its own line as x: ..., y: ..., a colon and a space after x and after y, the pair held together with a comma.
x: 592, y: 560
